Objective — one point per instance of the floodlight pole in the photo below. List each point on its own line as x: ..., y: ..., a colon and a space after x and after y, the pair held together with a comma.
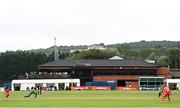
x: 55, y: 50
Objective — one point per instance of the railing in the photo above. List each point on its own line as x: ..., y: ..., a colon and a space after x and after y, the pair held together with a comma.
x: 48, y: 76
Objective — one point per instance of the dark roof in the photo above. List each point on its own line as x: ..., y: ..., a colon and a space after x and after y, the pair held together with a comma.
x: 99, y: 63
x: 175, y: 73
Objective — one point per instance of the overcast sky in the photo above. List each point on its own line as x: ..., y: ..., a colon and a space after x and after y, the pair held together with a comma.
x: 32, y: 24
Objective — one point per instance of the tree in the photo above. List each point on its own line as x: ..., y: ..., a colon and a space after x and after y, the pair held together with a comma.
x: 163, y: 60
x: 149, y: 53
x: 17, y: 63
x: 124, y: 50
x: 174, y: 56
x: 93, y: 54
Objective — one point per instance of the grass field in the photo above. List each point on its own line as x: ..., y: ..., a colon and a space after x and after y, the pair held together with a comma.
x: 90, y: 99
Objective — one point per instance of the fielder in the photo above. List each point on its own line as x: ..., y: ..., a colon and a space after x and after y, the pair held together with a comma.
x: 7, y: 92
x: 33, y: 92
x: 166, y: 93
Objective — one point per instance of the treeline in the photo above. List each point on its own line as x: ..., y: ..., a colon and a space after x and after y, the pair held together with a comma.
x: 134, y: 45
x: 17, y: 63
x: 162, y: 56
x: 150, y: 44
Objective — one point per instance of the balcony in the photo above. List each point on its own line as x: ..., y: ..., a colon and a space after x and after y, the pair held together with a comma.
x: 48, y: 76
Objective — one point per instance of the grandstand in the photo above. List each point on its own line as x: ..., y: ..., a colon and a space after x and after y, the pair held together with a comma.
x: 123, y: 72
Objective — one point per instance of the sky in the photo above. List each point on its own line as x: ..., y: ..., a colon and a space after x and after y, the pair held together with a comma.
x: 32, y: 24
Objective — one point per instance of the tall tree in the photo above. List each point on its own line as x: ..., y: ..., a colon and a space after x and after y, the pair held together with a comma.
x: 163, y: 60
x: 17, y: 63
x: 124, y: 50
x: 174, y: 56
x: 93, y: 54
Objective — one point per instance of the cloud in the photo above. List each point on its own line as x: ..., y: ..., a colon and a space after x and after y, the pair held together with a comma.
x: 76, y: 22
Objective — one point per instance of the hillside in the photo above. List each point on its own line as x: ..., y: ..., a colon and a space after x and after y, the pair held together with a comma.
x: 150, y: 44
x: 133, y: 45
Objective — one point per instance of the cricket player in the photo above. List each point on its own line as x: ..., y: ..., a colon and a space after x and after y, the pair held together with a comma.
x: 33, y: 92
x: 7, y: 92
x: 166, y: 93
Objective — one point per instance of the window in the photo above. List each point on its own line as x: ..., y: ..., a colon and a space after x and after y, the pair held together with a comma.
x: 151, y: 81
x: 143, y: 83
x: 143, y: 79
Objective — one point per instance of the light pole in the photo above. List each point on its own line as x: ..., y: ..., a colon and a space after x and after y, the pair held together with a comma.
x: 55, y: 50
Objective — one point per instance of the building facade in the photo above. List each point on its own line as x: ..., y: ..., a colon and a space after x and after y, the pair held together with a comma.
x: 121, y: 71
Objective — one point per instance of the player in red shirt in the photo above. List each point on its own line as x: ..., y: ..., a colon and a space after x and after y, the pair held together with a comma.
x: 7, y: 92
x: 166, y: 93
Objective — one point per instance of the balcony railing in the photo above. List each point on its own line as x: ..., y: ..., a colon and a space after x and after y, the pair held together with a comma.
x: 48, y: 76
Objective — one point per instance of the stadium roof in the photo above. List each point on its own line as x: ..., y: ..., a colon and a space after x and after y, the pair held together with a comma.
x: 115, y: 58
x: 175, y: 73
x: 99, y: 63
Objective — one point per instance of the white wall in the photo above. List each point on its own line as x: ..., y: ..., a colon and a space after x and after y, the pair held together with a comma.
x: 168, y: 81
x: 31, y: 83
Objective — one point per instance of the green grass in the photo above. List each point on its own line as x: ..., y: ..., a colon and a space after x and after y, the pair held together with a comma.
x: 90, y: 99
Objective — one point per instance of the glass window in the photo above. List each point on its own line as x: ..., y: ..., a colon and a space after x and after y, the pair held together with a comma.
x: 151, y: 83
x: 143, y: 83
x: 151, y: 79
x: 143, y: 79
x: 159, y: 79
